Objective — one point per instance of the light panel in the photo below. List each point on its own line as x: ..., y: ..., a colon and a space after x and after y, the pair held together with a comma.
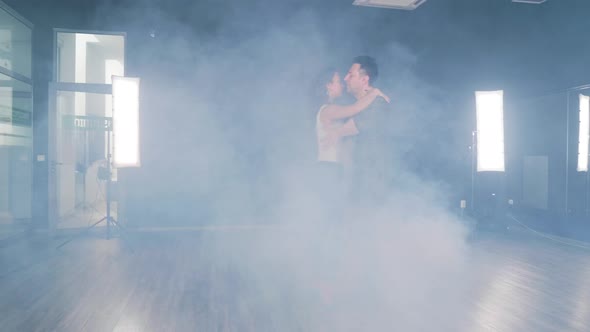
x: 125, y: 122
x: 490, y: 130
x: 584, y: 133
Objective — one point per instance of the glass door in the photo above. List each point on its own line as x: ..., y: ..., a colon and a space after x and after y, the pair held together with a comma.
x: 80, y: 110
x: 16, y: 122
x: 82, y: 128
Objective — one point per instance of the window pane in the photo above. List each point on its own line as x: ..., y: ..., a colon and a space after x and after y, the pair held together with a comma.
x: 15, y: 45
x: 16, y: 141
x: 89, y: 58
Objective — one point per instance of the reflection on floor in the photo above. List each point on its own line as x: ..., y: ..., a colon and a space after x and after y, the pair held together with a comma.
x: 279, y: 280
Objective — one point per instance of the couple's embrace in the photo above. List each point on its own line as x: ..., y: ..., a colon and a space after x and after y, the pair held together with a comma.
x: 367, y: 123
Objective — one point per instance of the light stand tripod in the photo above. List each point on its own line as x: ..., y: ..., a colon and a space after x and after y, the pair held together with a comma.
x: 110, y: 221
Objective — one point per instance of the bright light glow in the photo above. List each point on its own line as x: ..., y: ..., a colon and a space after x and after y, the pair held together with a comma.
x: 490, y: 130
x: 112, y: 68
x: 584, y: 133
x: 125, y: 122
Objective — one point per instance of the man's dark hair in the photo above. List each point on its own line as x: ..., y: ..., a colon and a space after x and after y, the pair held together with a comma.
x: 369, y: 66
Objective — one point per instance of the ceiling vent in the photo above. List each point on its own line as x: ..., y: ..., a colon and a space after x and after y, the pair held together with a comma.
x: 393, y: 4
x: 533, y: 2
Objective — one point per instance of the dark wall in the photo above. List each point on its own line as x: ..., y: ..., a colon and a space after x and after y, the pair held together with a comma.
x: 432, y: 59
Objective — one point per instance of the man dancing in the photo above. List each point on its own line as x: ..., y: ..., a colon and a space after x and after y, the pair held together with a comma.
x: 370, y: 175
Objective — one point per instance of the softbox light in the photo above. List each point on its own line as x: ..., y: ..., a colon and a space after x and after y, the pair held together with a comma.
x: 490, y: 130
x: 125, y: 122
x: 584, y: 133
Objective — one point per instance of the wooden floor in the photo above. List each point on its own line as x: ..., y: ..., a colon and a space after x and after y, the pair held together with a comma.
x: 229, y: 281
